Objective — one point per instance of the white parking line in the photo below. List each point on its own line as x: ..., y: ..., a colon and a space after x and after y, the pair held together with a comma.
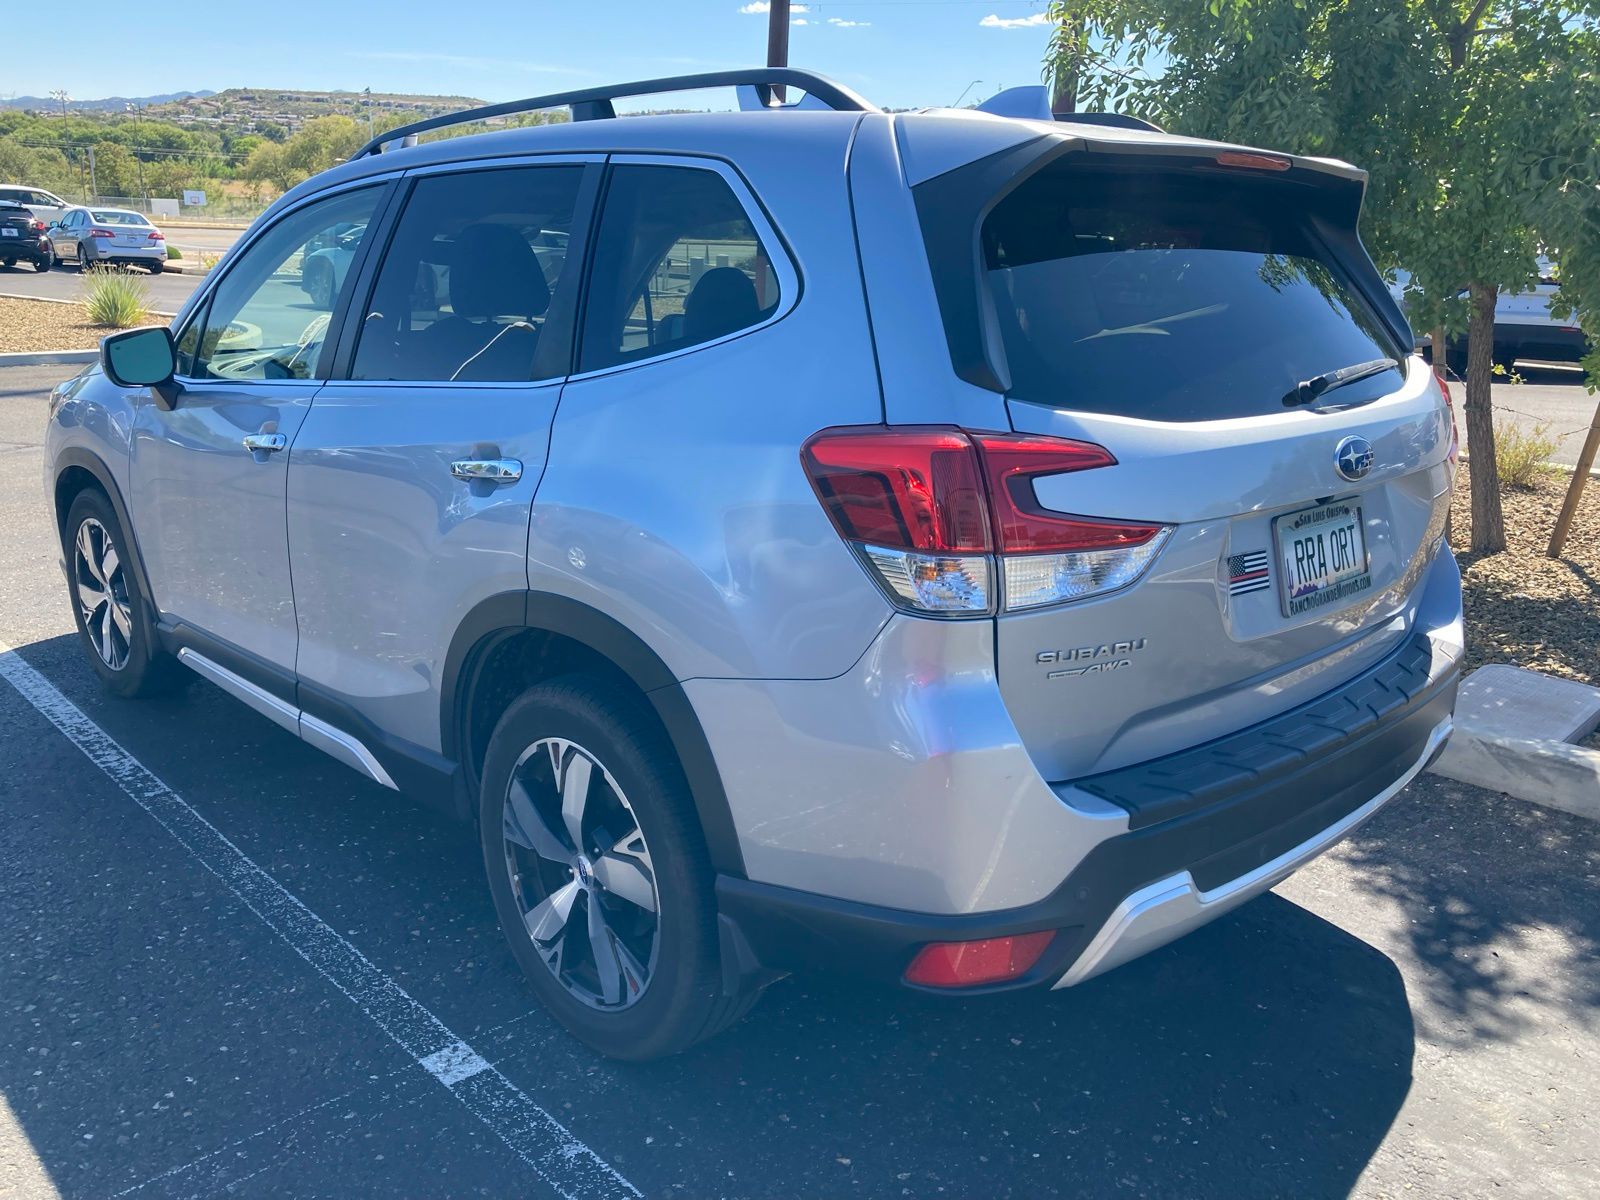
x: 533, y: 1135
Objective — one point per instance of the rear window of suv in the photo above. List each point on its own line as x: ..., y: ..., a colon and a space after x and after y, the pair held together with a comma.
x: 1171, y: 295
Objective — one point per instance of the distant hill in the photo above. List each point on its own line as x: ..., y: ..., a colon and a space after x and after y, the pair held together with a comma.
x: 108, y: 104
x: 289, y: 107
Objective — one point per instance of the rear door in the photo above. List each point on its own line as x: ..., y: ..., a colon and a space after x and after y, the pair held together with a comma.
x: 411, y: 479
x: 1214, y: 325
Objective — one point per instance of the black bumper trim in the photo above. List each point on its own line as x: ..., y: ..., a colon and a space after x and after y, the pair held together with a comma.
x: 1238, y: 828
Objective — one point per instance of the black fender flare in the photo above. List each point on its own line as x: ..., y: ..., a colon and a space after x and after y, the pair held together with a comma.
x: 77, y: 456
x: 507, y: 613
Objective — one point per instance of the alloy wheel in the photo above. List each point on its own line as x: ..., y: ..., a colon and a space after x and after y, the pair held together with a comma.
x: 101, y: 590
x: 581, y: 874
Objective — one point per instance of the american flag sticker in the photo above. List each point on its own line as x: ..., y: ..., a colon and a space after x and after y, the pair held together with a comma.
x: 1248, y: 572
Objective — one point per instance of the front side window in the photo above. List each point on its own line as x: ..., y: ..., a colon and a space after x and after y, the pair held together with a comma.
x: 476, y: 261
x: 677, y: 263
x: 268, y: 318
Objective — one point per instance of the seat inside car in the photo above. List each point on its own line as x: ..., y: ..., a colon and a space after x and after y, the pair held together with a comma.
x: 724, y: 299
x: 497, y: 291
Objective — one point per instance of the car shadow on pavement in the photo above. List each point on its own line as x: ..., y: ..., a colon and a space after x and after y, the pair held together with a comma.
x: 1268, y: 1054
x: 1471, y: 903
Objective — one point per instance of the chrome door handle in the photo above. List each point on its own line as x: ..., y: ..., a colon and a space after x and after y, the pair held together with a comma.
x: 487, y: 470
x: 266, y: 443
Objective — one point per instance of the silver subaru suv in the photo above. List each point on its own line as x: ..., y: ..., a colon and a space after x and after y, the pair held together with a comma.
x: 963, y: 550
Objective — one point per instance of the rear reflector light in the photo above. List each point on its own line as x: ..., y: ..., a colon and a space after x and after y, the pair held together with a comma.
x: 928, y: 508
x: 970, y: 964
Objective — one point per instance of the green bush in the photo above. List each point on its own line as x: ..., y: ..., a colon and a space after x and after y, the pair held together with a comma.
x: 173, y: 252
x: 1520, y: 455
x: 115, y: 298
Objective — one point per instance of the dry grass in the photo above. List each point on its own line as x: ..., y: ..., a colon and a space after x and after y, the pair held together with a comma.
x: 40, y: 325
x: 1523, y: 608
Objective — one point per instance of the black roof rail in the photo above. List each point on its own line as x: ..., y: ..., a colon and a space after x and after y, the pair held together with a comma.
x: 593, y: 104
x: 1111, y: 120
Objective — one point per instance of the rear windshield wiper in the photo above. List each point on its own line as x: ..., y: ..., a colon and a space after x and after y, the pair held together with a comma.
x: 1307, y: 391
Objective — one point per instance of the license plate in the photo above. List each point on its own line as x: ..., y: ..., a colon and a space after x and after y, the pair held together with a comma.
x: 1322, y: 556
x: 8, y: 232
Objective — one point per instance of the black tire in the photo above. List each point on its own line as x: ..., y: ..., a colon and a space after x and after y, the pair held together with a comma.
x: 85, y: 259
x: 156, y: 266
x: 44, y: 262
x: 681, y: 1001
x: 136, y: 666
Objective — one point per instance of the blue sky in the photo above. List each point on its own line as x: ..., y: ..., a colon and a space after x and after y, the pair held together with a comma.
x: 899, y: 53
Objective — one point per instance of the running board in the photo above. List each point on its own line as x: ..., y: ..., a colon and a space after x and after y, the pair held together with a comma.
x: 314, y: 731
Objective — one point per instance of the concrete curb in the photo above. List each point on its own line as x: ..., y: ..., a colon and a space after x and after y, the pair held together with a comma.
x: 40, y: 358
x: 1554, y: 774
x: 1517, y: 731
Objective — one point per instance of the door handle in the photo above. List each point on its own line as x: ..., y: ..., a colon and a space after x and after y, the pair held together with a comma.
x: 487, y: 470
x: 265, y: 443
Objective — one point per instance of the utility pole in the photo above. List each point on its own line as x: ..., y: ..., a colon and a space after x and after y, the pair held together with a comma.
x: 138, y: 144
x: 778, y: 41
x: 61, y: 95
x: 367, y: 92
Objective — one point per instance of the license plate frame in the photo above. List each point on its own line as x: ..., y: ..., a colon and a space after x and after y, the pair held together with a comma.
x: 1343, y: 519
x: 9, y: 232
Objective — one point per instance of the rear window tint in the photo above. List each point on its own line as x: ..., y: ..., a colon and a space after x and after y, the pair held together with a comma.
x: 111, y: 217
x: 1171, y: 295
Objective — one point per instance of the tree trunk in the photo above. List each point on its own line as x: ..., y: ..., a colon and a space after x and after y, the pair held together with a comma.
x: 1488, y: 523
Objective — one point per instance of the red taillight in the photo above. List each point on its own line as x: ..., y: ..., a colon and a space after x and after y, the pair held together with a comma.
x: 1449, y: 407
x: 970, y: 964
x: 101, y: 233
x: 37, y: 226
x: 928, y: 506
x: 906, y: 489
x: 1021, y: 524
x: 158, y: 236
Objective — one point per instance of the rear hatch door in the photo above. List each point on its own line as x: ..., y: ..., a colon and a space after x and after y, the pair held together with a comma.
x: 1219, y: 330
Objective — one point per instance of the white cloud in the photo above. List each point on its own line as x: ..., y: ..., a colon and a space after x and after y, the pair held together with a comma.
x: 995, y: 21
x: 843, y: 24
x: 765, y: 6
x: 800, y: 21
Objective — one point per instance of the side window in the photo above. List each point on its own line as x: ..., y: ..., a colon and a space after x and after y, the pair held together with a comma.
x: 269, y: 316
x: 677, y: 262
x: 476, y: 260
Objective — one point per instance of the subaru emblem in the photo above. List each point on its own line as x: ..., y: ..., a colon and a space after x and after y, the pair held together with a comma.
x: 1353, y: 458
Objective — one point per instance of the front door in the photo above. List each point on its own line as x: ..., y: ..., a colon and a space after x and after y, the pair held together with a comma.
x: 412, y: 478
x: 208, y: 476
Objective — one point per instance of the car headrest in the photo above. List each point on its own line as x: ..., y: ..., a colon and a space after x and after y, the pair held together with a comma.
x: 495, y: 273
x: 723, y: 300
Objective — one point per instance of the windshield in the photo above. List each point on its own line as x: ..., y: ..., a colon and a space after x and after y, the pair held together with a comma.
x: 112, y: 217
x: 1171, y: 295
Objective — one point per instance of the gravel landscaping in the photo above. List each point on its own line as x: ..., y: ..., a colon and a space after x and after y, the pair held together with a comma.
x: 1523, y: 608
x: 27, y: 325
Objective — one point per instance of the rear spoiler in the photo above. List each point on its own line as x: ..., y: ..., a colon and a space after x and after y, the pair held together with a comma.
x: 952, y: 205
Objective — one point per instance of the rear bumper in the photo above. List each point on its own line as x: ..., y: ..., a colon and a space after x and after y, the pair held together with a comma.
x: 1557, y: 342
x: 1207, y: 829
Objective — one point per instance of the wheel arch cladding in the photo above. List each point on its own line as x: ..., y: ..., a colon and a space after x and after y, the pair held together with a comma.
x: 77, y: 470
x: 511, y: 641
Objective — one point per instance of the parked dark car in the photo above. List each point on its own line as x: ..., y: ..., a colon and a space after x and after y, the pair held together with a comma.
x: 22, y: 238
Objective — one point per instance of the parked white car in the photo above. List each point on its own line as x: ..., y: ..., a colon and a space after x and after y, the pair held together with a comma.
x: 109, y: 235
x: 1523, y: 325
x: 47, y: 206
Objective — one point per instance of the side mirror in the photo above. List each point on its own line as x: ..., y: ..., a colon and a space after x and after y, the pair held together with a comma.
x: 142, y: 358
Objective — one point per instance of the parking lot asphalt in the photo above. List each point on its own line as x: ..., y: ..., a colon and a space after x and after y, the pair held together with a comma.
x: 168, y: 291
x: 230, y: 966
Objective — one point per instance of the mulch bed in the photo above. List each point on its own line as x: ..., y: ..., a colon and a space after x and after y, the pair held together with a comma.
x: 1523, y: 608
x: 30, y: 325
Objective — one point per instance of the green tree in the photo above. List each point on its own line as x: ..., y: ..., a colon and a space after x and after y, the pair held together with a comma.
x: 1476, y: 119
x: 116, y: 171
